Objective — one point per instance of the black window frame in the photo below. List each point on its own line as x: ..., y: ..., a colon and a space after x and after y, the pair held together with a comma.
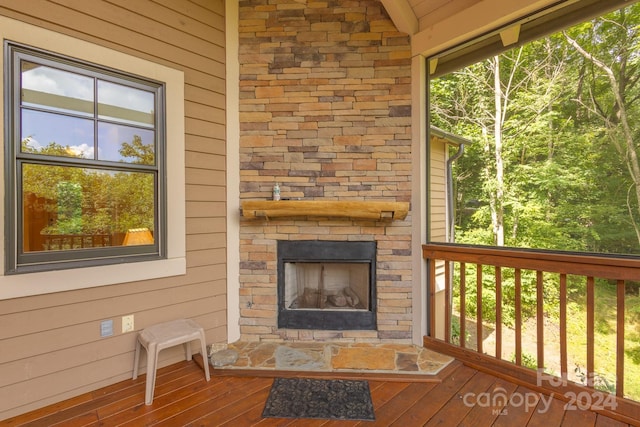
x: 16, y: 260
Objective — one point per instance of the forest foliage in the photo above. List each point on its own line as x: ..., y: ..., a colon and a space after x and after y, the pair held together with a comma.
x: 554, y: 158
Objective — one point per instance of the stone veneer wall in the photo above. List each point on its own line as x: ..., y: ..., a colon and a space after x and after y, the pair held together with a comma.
x: 325, y: 110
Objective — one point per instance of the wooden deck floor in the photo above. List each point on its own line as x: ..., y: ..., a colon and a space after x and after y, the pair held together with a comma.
x: 459, y: 396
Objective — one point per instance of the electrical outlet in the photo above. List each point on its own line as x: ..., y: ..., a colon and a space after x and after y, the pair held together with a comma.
x: 127, y: 323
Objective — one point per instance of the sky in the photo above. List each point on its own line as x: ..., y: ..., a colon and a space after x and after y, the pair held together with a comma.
x: 70, y: 90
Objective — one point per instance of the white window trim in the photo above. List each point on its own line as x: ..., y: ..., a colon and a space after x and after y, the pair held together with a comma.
x: 21, y: 285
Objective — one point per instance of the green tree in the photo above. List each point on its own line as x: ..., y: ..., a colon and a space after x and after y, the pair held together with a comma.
x: 91, y: 200
x: 141, y: 153
x: 610, y: 93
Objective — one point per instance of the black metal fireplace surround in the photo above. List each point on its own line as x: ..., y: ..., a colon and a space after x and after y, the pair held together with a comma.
x: 328, y: 293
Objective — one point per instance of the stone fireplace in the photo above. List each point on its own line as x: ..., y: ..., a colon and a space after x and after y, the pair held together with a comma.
x: 325, y: 112
x: 326, y: 285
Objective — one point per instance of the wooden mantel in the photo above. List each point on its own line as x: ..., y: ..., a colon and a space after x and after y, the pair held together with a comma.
x: 330, y: 208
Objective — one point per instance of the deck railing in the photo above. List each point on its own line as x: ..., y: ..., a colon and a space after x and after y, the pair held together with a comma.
x: 471, y: 275
x: 53, y: 242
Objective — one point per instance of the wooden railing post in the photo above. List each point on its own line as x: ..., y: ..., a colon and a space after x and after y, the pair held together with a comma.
x: 563, y: 326
x: 447, y: 301
x: 590, y: 330
x: 540, y: 318
x: 479, y: 334
x: 518, y: 315
x: 463, y: 305
x: 620, y: 338
x: 498, y: 312
x: 432, y: 298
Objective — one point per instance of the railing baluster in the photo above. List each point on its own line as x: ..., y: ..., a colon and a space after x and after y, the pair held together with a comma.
x: 463, y: 304
x: 498, y: 312
x: 518, y: 315
x: 479, y: 307
x: 540, y: 318
x: 620, y: 339
x: 563, y: 327
x: 590, y: 330
x: 447, y: 301
x: 432, y: 298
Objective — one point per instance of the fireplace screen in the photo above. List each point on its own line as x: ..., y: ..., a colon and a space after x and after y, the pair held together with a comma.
x: 336, y: 286
x: 326, y: 285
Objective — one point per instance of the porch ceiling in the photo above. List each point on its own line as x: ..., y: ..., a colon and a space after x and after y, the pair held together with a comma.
x: 429, y: 21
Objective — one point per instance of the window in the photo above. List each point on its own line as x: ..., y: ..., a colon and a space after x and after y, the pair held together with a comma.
x: 552, y: 163
x: 109, y: 269
x: 86, y: 151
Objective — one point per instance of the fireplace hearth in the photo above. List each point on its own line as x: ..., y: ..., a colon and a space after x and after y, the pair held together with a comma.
x: 326, y: 285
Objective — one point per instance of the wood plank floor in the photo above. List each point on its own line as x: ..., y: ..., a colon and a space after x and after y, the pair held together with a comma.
x: 458, y: 396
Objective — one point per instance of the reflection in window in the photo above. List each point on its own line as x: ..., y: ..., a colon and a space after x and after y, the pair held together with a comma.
x: 57, y: 134
x: 125, y: 104
x: 58, y: 109
x: 77, y: 208
x: 120, y: 143
x: 56, y: 90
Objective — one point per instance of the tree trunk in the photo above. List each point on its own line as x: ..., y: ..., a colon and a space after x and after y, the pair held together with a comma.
x: 627, y: 149
x: 498, y: 214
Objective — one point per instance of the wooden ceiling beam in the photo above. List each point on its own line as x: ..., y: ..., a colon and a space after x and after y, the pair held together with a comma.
x: 402, y: 15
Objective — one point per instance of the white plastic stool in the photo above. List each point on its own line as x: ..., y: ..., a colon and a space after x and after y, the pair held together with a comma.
x: 165, y: 335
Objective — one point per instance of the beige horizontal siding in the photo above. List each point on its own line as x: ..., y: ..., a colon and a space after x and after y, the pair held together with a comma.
x: 204, y: 112
x: 205, y: 209
x: 50, y: 345
x: 205, y: 161
x: 204, y: 145
x: 205, y: 176
x: 437, y: 191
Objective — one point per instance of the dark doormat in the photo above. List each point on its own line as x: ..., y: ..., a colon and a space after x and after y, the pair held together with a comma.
x: 324, y: 399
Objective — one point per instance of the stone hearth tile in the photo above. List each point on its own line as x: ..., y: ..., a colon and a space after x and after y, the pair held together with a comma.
x: 308, y: 345
x: 262, y: 356
x: 426, y: 354
x: 241, y: 348
x: 242, y: 363
x: 407, y: 362
x: 430, y: 367
x: 224, y: 357
x: 431, y: 362
x: 362, y: 344
x: 404, y: 348
x: 365, y: 358
x: 336, y: 348
x: 300, y: 358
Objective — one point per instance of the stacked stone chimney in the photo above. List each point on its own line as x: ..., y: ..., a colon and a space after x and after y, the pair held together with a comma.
x: 325, y: 112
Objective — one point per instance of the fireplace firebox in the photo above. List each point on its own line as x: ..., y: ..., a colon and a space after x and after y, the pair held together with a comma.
x: 326, y: 285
